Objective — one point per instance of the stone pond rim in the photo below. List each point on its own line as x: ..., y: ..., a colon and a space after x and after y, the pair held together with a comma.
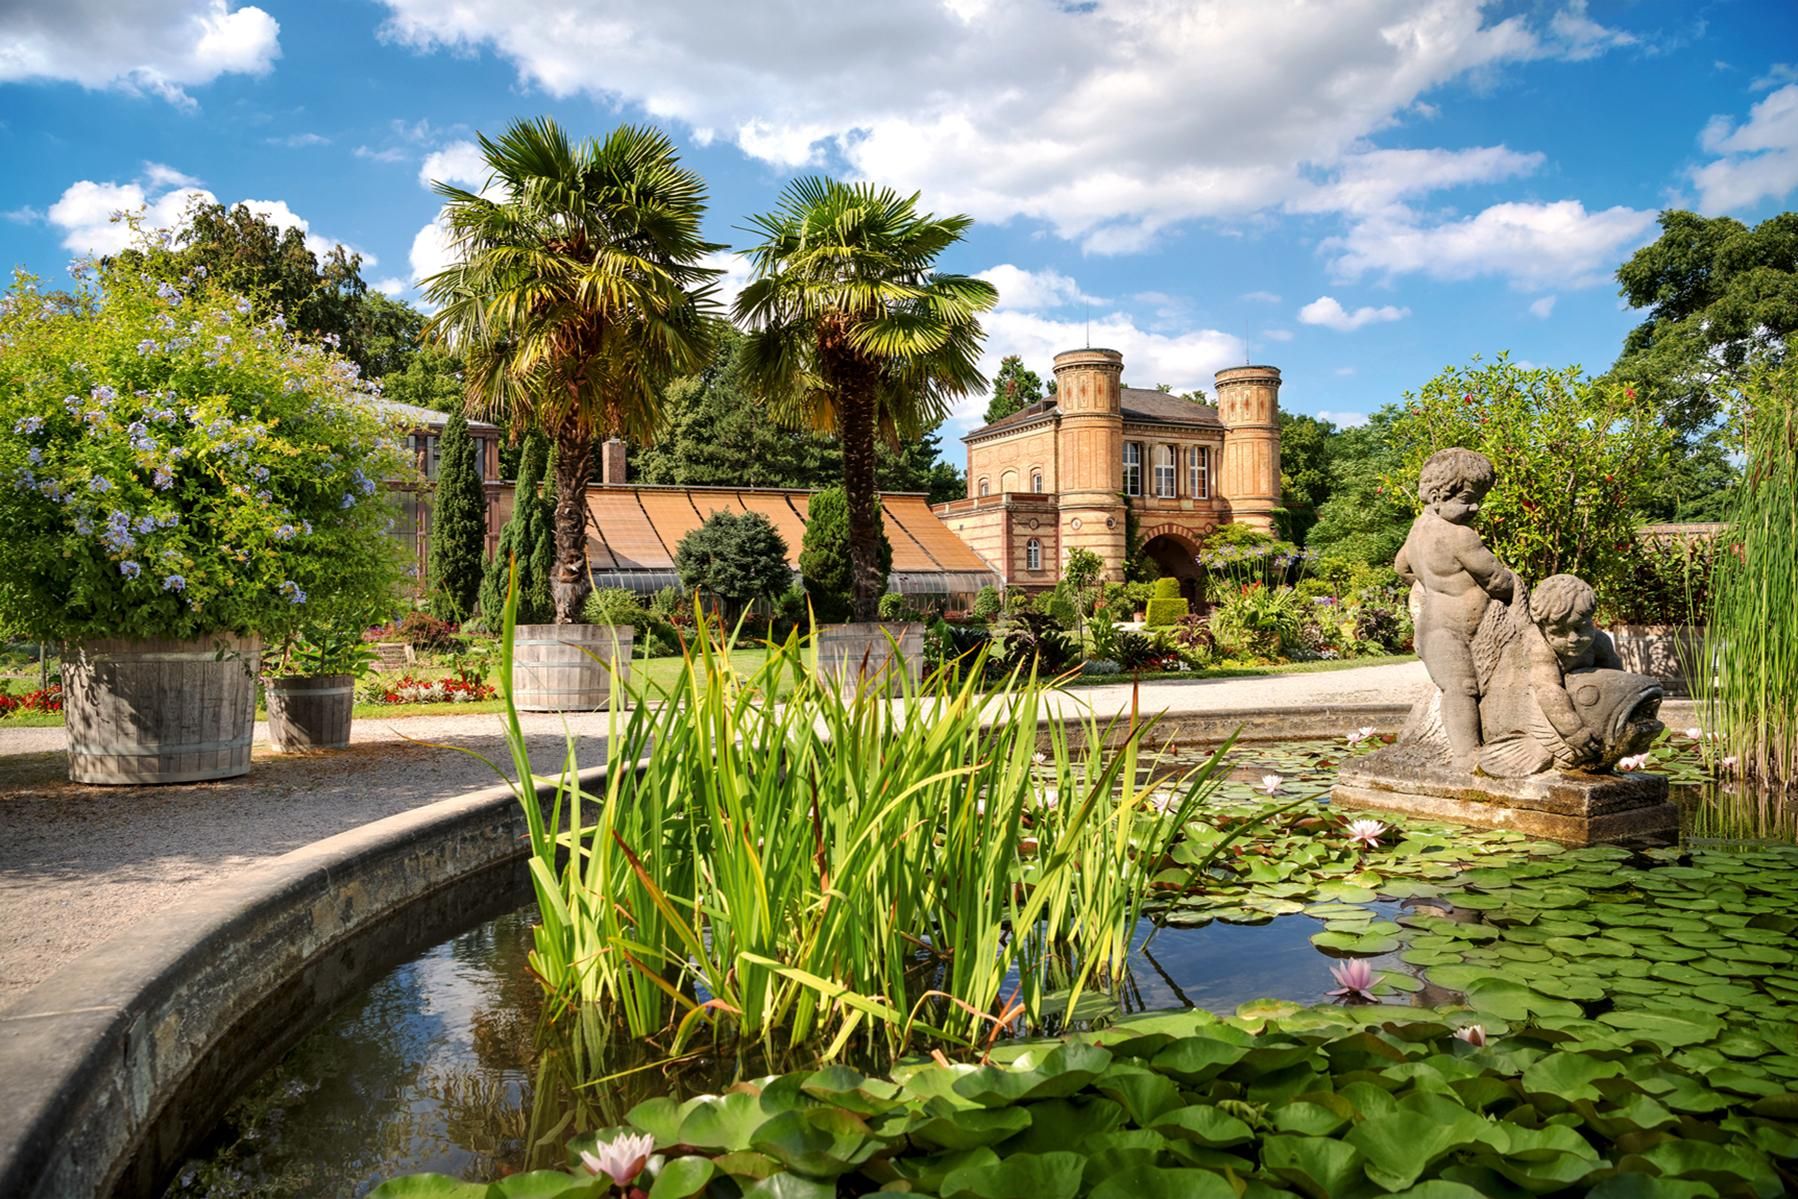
x: 115, y: 1065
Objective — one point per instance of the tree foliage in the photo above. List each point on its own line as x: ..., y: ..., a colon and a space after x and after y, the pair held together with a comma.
x: 824, y: 557
x: 526, y: 536
x: 1362, y: 522
x: 1306, y: 445
x: 1719, y: 295
x: 855, y: 332
x: 1572, y: 457
x: 1015, y: 387
x: 577, y: 291
x: 458, y: 525
x: 738, y: 557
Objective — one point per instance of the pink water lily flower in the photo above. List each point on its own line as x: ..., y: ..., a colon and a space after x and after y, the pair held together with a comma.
x: 1473, y: 1034
x: 1632, y: 762
x: 1728, y: 764
x: 1367, y: 832
x: 1270, y: 784
x: 1356, y: 977
x: 622, y: 1159
x: 1361, y: 734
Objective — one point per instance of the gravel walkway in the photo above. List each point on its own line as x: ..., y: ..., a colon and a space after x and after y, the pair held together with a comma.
x: 80, y: 864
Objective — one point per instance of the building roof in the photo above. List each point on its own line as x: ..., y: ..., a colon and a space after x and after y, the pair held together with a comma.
x: 1159, y: 407
x: 1140, y: 405
x: 423, y: 418
x: 632, y: 533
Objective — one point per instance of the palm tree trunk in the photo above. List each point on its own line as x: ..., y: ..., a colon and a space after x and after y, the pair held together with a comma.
x: 866, y: 580
x: 569, y: 582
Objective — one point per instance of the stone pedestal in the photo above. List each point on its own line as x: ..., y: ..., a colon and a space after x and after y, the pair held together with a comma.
x: 1577, y: 809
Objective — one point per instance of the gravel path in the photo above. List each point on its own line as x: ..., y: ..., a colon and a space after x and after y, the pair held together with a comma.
x: 80, y: 864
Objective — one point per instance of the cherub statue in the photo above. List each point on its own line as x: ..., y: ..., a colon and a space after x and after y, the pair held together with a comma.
x: 1456, y: 579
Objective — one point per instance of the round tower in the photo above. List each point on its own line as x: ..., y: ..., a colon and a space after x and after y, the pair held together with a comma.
x: 1248, y: 404
x: 1090, y: 457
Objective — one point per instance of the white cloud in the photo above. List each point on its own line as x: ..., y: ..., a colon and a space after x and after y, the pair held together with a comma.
x: 1089, y: 118
x: 1260, y: 297
x: 1579, y: 37
x: 460, y: 163
x: 1326, y: 311
x: 85, y: 210
x: 1778, y: 75
x: 1277, y: 334
x: 431, y: 251
x: 737, y: 273
x: 1758, y: 158
x: 390, y: 286
x: 1343, y: 420
x: 1185, y: 360
x: 1027, y: 290
x: 1376, y: 180
x: 1543, y: 307
x: 1533, y: 245
x: 1344, y: 372
x: 391, y: 154
x: 159, y: 47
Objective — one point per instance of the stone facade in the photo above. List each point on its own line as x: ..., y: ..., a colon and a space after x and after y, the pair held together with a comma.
x: 1057, y: 475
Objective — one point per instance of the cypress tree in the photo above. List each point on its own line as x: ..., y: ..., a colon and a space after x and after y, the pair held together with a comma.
x: 458, y: 525
x: 529, y: 537
x: 824, y: 555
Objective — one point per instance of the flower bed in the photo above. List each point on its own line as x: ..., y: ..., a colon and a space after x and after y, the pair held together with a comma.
x: 450, y: 689
x: 44, y: 699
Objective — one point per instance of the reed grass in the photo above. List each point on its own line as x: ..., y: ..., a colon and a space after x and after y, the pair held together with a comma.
x: 1750, y: 691
x: 851, y: 867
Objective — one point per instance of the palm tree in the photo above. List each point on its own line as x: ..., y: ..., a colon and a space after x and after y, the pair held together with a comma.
x: 853, y: 332
x: 577, y: 293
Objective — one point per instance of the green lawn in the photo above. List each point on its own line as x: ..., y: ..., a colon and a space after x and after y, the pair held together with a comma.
x: 661, y: 672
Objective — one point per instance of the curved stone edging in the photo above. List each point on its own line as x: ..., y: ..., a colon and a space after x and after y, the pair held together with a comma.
x: 92, y: 1059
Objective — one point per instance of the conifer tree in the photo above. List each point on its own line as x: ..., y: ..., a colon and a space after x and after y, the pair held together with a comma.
x: 458, y: 525
x: 824, y: 556
x: 529, y: 537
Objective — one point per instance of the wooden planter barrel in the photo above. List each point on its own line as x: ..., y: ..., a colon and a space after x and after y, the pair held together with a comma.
x: 871, y: 653
x: 1664, y: 651
x: 160, y: 710
x: 310, y: 711
x: 567, y: 667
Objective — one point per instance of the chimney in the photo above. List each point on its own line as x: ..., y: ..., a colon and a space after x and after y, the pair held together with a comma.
x: 611, y: 462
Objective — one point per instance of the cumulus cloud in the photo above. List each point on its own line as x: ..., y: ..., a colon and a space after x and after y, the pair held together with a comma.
x: 431, y: 250
x: 1326, y: 311
x: 155, y: 47
x: 1375, y: 181
x: 390, y: 286
x: 1532, y: 245
x: 1759, y: 157
x: 459, y: 163
x: 1343, y: 420
x: 1088, y: 118
x: 1027, y: 290
x: 84, y: 212
x: 1543, y: 308
x: 735, y: 277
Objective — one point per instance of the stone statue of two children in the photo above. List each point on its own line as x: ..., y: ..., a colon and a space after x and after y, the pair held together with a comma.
x: 1525, y: 681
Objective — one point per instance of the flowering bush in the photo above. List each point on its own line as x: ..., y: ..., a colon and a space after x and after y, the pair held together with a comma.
x: 173, y: 467
x: 45, y: 699
x: 420, y: 630
x: 450, y: 689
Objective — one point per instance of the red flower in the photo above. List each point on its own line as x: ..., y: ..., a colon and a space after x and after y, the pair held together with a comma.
x: 1630, y: 392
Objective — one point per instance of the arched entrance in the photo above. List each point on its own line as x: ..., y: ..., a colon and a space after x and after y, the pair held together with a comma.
x: 1175, y: 555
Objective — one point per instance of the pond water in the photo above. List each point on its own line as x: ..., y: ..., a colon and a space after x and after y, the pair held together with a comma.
x: 438, y: 1066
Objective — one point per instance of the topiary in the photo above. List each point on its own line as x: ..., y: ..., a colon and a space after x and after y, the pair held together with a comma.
x: 896, y: 607
x: 1163, y: 611
x: 736, y: 556
x: 1166, y: 587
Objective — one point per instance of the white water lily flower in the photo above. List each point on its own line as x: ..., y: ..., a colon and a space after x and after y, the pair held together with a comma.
x: 1473, y: 1034
x: 1633, y: 762
x: 1270, y: 784
x: 1367, y: 832
x: 1728, y: 763
x: 622, y: 1159
x: 1695, y: 733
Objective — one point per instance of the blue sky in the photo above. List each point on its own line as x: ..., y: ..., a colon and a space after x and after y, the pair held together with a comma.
x: 1357, y: 191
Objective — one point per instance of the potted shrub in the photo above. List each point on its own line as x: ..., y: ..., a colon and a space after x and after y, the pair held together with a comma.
x: 310, y: 690
x: 185, y: 480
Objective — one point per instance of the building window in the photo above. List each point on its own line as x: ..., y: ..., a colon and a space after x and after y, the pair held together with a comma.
x: 984, y: 488
x: 1164, y: 472
x: 1133, y: 468
x: 1033, y: 554
x: 1036, y: 481
x: 1198, y: 467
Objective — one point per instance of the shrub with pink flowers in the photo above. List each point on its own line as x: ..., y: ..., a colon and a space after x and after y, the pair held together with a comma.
x: 172, y: 466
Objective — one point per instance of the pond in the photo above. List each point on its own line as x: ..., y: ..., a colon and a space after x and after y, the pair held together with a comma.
x: 439, y: 1067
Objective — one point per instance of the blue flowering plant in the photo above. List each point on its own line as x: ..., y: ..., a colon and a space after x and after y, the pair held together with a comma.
x: 175, y: 464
